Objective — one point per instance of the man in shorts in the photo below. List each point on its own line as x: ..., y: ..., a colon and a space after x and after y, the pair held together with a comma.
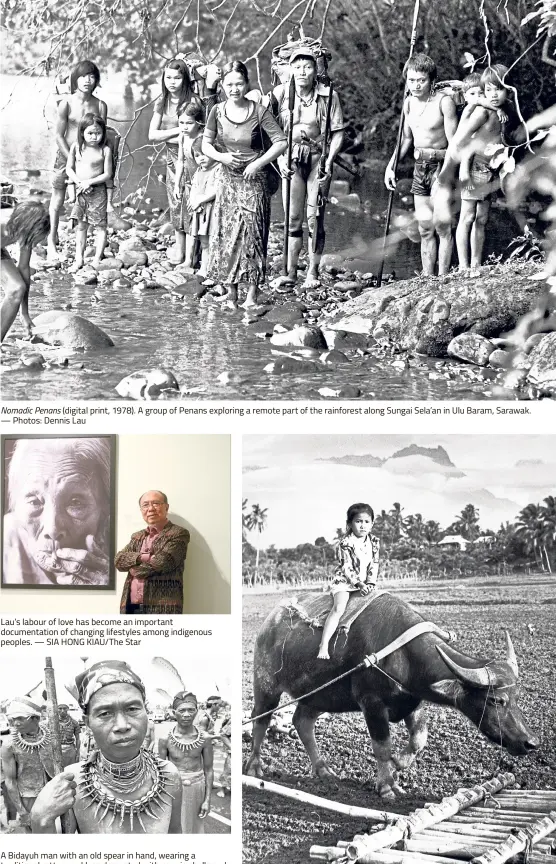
x: 430, y: 122
x: 84, y: 80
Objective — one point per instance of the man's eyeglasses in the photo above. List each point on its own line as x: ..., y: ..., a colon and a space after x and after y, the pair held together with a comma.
x: 149, y: 504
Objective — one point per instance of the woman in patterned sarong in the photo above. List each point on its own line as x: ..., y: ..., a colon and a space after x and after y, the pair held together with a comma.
x: 190, y: 749
x: 241, y: 215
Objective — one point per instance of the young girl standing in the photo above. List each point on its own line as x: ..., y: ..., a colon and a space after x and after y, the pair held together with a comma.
x: 357, y: 556
x: 203, y: 193
x: 177, y: 91
x: 190, y: 120
x: 90, y: 167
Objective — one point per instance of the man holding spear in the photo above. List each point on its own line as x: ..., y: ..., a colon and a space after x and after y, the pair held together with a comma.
x: 121, y: 788
x: 313, y: 143
x: 26, y: 757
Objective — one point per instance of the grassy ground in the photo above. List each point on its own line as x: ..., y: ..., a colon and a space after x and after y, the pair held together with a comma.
x: 280, y: 831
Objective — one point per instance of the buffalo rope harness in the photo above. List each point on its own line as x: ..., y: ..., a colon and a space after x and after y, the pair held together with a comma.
x: 371, y: 660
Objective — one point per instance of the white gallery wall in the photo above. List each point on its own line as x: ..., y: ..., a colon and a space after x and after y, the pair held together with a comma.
x: 194, y: 472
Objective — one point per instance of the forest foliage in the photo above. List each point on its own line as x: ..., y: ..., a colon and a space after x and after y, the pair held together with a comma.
x: 369, y: 41
x: 410, y: 547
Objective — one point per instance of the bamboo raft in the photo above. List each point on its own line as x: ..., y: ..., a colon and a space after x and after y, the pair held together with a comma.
x: 489, y: 824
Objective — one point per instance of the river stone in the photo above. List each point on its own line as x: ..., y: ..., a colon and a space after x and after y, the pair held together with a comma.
x: 300, y: 337
x: 70, y: 331
x: 131, y: 257
x: 110, y: 264
x: 33, y: 361
x: 489, y: 305
x: 132, y: 244
x: 333, y: 358
x: 287, y: 314
x: 165, y: 230
x: 542, y: 373
x: 500, y: 359
x: 147, y: 384
x: 533, y: 341
x: 289, y: 364
x: 85, y: 277
x: 109, y: 275
x: 472, y: 348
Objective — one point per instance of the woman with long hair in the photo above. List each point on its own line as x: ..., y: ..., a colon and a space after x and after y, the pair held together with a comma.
x: 235, y: 138
x: 176, y: 91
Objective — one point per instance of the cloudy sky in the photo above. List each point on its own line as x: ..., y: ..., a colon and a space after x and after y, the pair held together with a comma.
x: 197, y: 661
x: 307, y: 482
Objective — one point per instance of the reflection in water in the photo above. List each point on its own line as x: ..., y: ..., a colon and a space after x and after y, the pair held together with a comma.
x: 175, y: 341
x: 149, y: 330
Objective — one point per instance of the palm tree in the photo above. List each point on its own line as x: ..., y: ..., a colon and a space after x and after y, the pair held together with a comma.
x: 257, y: 522
x: 414, y: 528
x: 532, y: 529
x: 431, y: 532
x: 396, y: 521
x: 549, y: 527
x: 467, y: 523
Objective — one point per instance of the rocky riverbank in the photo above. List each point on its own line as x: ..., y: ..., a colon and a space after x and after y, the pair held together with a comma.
x: 460, y: 322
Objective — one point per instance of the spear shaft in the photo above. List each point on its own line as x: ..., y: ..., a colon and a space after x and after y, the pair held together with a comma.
x: 54, y: 729
x: 397, y: 150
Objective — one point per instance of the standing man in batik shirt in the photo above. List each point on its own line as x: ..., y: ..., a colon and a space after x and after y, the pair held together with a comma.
x: 121, y: 788
x: 69, y: 732
x: 154, y: 560
x: 26, y: 756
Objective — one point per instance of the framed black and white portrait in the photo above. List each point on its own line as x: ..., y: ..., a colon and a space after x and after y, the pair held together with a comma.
x: 58, y: 499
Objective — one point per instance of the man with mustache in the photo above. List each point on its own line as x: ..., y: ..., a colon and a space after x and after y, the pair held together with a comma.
x: 121, y: 788
x: 57, y: 525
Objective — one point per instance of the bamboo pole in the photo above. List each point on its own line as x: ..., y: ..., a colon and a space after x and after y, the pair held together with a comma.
x: 521, y: 841
x: 504, y: 811
x: 466, y: 846
x: 424, y: 817
x: 317, y: 801
x: 54, y: 729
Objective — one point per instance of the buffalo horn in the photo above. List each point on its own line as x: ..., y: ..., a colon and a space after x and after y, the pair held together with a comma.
x: 511, y: 659
x: 480, y: 677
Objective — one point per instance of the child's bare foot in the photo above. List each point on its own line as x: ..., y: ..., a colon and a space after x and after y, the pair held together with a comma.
x: 95, y: 263
x: 323, y: 654
x: 77, y: 265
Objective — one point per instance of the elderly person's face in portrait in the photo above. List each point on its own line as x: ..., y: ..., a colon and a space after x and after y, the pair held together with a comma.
x: 58, y: 495
x: 154, y: 508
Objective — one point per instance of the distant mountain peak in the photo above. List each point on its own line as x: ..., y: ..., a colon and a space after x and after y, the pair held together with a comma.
x: 436, y: 454
x: 524, y: 462
x: 361, y: 460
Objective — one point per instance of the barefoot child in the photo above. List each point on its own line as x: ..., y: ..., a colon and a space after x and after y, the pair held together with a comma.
x: 203, y: 193
x: 84, y: 79
x: 90, y: 167
x: 190, y: 124
x: 478, y: 133
x: 357, y: 569
x: 28, y: 224
x: 429, y: 123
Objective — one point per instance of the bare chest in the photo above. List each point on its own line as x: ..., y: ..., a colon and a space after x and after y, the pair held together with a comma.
x: 102, y: 811
x: 426, y: 121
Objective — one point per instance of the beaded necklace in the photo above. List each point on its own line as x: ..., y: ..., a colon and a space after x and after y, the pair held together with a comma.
x: 125, y: 777
x: 31, y: 746
x: 185, y: 745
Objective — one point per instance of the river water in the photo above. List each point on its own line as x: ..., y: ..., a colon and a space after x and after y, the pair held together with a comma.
x: 196, y: 342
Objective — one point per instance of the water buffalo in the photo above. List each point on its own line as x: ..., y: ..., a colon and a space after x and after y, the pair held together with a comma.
x: 424, y: 669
